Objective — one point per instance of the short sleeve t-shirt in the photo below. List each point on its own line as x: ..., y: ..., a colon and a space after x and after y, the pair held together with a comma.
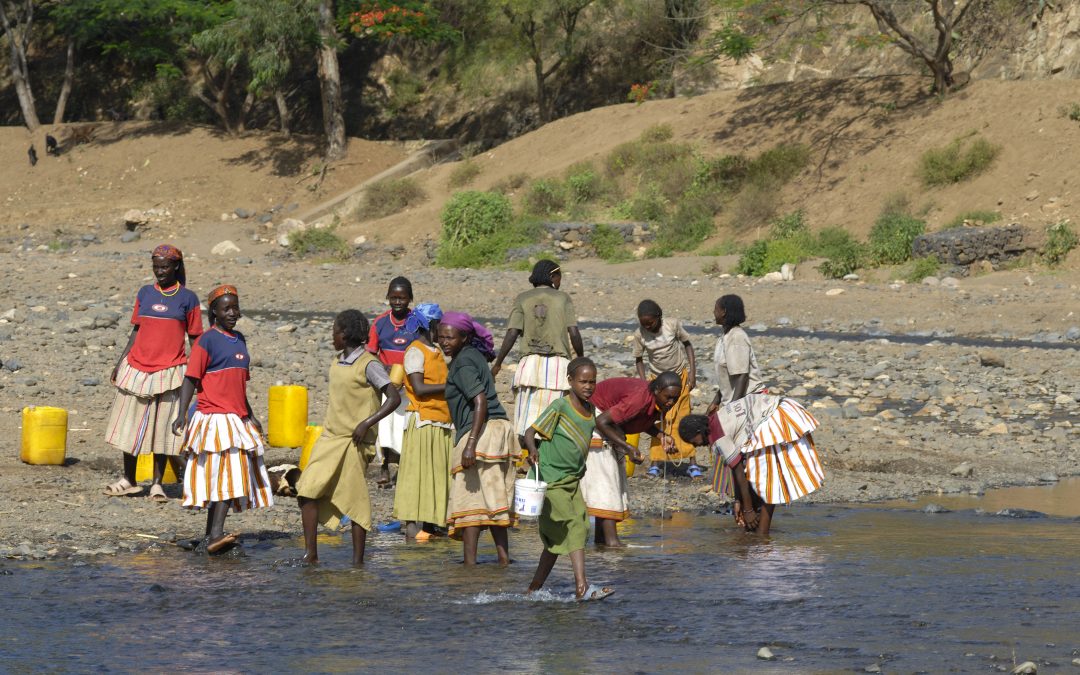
x: 164, y: 321
x: 388, y: 338
x: 665, y: 347
x: 629, y: 401
x: 220, y: 361
x: 543, y: 316
x: 735, y: 356
x: 565, y: 434
x: 469, y: 376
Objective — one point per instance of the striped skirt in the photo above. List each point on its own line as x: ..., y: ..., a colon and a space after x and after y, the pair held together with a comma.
x: 604, y: 484
x: 142, y: 413
x: 539, y: 381
x: 224, y: 463
x: 781, y: 461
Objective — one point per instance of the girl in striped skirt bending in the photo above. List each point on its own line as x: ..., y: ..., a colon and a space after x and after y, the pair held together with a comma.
x: 222, y: 445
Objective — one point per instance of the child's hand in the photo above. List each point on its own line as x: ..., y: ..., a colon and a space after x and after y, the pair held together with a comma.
x: 636, y: 457
x: 468, y: 457
x: 359, y: 432
x: 667, y: 442
x: 178, y: 425
x: 495, y: 369
x: 534, y: 457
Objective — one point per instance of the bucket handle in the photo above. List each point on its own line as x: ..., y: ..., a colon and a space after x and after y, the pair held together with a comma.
x: 536, y: 467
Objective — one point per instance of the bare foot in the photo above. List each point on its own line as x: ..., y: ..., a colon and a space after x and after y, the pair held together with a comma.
x: 310, y: 559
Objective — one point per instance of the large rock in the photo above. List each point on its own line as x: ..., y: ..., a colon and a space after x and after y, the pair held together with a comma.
x: 134, y: 218
x: 225, y: 248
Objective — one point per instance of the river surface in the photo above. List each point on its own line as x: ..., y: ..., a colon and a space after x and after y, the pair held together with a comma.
x: 836, y: 588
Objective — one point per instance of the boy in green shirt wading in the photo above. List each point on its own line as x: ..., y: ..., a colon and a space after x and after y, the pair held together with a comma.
x: 565, y: 428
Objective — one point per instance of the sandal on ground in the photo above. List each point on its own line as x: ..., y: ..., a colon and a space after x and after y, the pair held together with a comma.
x: 394, y: 526
x: 594, y: 592
x: 122, y: 488
x: 694, y: 471
x: 654, y: 471
x: 221, y: 544
x: 157, y: 493
x: 423, y: 535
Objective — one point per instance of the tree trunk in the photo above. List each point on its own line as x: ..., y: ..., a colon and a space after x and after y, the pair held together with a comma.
x: 283, y: 111
x: 65, y: 88
x: 245, y: 110
x: 541, y: 90
x: 18, y: 35
x: 333, y: 107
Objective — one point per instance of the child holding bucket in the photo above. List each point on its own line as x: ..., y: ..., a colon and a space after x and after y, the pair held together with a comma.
x: 565, y: 428
x: 333, y: 484
x: 222, y: 444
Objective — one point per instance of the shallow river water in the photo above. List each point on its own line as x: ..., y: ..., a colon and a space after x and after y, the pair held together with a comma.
x: 836, y: 588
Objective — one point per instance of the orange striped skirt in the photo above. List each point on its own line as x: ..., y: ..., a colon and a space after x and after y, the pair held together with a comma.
x: 224, y: 463
x: 782, y: 462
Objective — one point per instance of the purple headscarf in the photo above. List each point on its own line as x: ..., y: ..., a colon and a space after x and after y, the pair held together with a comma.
x: 475, y: 332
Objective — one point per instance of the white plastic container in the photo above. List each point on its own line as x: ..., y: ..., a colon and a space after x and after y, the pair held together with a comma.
x: 529, y: 495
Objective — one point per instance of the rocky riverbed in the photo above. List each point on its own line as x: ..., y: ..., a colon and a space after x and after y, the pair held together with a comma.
x: 903, y: 410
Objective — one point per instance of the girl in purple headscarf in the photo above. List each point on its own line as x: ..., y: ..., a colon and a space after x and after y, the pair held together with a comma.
x: 482, y: 484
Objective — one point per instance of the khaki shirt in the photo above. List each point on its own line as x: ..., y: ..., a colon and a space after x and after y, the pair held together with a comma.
x: 735, y: 356
x: 664, y: 347
x: 543, y: 316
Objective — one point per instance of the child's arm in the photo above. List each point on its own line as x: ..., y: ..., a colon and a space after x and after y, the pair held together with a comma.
x: 507, y: 344
x: 530, y: 445
x: 187, y: 390
x: 390, y: 403
x: 479, y: 406
x: 639, y: 363
x: 691, y: 376
x: 575, y: 340
x: 744, y: 504
x: 416, y: 381
x: 615, y: 436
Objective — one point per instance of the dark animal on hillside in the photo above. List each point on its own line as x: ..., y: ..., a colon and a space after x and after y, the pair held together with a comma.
x: 32, y: 154
x: 51, y: 146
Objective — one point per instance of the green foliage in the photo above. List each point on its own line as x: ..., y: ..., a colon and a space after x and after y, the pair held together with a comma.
x: 390, y: 196
x: 651, y: 154
x: 318, y: 242
x: 842, y: 252
x: 791, y: 226
x: 725, y: 173
x: 957, y: 161
x: 730, y: 42
x: 1072, y: 112
x: 691, y: 223
x: 583, y: 184
x: 921, y: 268
x: 891, y: 237
x: 545, y: 197
x: 984, y: 217
x: 1060, y: 239
x: 752, y: 261
x: 647, y: 205
x: 608, y: 244
x: 658, y: 133
x: 726, y: 247
x: 778, y: 165
x: 790, y: 241
x: 512, y: 182
x: 472, y: 217
x: 463, y: 174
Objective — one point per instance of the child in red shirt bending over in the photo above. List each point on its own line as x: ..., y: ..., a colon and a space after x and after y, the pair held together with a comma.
x: 222, y: 445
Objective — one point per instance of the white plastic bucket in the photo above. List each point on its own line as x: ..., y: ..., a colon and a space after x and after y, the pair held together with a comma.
x: 529, y: 496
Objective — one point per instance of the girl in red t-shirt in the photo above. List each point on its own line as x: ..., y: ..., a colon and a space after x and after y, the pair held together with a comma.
x: 222, y: 446
x: 150, y: 371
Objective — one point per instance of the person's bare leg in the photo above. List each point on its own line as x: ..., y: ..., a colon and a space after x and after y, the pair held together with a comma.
x: 218, y: 511
x: 765, y: 519
x: 359, y: 543
x: 501, y: 537
x: 177, y: 466
x: 543, y: 569
x: 411, y: 528
x: 598, y: 534
x: 159, y: 468
x: 611, y: 533
x: 309, y: 517
x: 470, y: 539
x: 130, y: 462
x: 581, y: 584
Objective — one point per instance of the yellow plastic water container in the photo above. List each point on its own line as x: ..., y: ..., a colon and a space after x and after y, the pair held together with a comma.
x: 632, y: 439
x: 311, y: 434
x: 44, y: 435
x: 397, y: 375
x: 144, y: 470
x: 287, y: 419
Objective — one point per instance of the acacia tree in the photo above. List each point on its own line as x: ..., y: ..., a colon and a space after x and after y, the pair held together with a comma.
x: 894, y: 20
x: 17, y: 19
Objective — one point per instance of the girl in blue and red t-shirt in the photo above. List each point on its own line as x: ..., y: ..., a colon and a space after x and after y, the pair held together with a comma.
x: 388, y: 339
x: 150, y: 371
x: 222, y: 445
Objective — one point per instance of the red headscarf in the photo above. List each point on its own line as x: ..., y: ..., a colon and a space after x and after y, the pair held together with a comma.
x: 170, y: 252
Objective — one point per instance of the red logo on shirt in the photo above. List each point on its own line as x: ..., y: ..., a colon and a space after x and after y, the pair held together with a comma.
x: 400, y: 341
x: 159, y: 308
x: 239, y: 357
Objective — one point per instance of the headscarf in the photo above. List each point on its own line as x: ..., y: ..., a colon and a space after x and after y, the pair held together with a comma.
x: 170, y: 252
x: 421, y: 316
x: 542, y: 271
x: 476, y: 333
x: 224, y: 289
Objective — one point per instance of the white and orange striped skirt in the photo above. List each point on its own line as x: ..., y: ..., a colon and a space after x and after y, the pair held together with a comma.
x: 224, y: 463
x: 781, y: 461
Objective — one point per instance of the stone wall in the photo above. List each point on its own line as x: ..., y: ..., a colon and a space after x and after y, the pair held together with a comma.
x: 966, y: 245
x: 575, y: 238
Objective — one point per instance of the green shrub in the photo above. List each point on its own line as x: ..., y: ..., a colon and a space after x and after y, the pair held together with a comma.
x: 609, y: 244
x: 754, y: 205
x: 583, y: 184
x: 657, y: 134
x: 683, y: 231
x: 726, y: 247
x: 1071, y: 111
x: 752, y: 261
x: 779, y: 164
x: 957, y: 161
x: 545, y: 197
x: 318, y: 242
x: 842, y: 252
x: 491, y: 249
x: 512, y: 182
x: 390, y: 196
x: 984, y: 217
x: 463, y: 174
x: 790, y: 226
x: 891, y: 237
x: 1060, y: 239
x: 647, y: 205
x: 922, y: 268
x: 471, y: 217
x: 725, y: 173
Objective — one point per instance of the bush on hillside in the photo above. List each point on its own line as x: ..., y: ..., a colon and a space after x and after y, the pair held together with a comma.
x: 322, y: 242
x: 390, y: 196
x: 583, y: 184
x: 984, y: 217
x: 463, y: 174
x: 891, y: 237
x: 478, y: 228
x: 842, y: 252
x: 921, y: 268
x: 545, y: 197
x: 1060, y: 239
x: 609, y: 244
x: 957, y: 161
